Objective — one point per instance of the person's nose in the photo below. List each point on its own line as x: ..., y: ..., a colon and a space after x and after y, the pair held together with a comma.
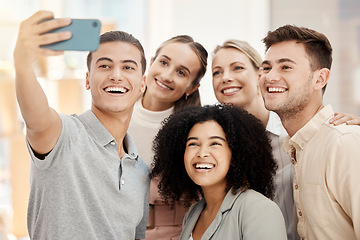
x: 203, y: 152
x: 272, y: 76
x: 116, y: 74
x: 227, y: 76
x: 167, y: 75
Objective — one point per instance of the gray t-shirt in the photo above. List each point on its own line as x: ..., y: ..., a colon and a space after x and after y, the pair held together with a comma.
x: 83, y: 190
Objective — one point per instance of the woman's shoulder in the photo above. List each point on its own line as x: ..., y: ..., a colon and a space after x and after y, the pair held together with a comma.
x: 252, y: 200
x: 255, y: 211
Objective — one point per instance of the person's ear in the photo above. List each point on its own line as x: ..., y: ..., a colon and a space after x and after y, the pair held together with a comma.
x: 152, y: 61
x: 258, y: 83
x: 193, y: 89
x: 87, y: 83
x: 143, y: 84
x: 322, y: 77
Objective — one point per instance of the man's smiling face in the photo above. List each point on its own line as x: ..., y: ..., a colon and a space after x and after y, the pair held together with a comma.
x: 286, y: 78
x: 115, y: 78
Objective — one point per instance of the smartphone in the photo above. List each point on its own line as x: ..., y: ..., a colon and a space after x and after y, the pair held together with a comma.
x: 85, y: 36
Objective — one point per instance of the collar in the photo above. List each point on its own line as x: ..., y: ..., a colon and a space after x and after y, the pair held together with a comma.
x: 304, y: 135
x: 99, y: 132
x: 226, y: 205
x: 150, y: 116
x: 274, y: 125
x: 229, y: 200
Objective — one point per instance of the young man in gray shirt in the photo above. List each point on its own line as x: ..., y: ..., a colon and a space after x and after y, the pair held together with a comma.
x: 87, y: 181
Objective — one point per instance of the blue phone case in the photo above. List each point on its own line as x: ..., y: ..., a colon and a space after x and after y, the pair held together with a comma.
x: 85, y: 36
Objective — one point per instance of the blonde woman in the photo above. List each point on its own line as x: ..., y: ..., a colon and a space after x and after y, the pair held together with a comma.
x: 235, y: 68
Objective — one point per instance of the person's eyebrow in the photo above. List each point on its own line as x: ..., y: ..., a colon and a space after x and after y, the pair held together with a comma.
x: 231, y: 64
x: 282, y: 60
x: 182, y: 66
x: 192, y: 138
x: 218, y: 137
x: 212, y: 137
x: 110, y: 60
x: 130, y: 61
x: 265, y: 62
x: 104, y: 59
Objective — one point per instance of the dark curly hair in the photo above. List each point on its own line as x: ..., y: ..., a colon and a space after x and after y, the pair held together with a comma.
x: 252, y: 164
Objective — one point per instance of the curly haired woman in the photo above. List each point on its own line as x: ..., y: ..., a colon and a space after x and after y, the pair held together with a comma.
x: 219, y: 157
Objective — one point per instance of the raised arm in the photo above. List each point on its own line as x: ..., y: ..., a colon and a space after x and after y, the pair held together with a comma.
x: 43, y: 124
x: 349, y: 119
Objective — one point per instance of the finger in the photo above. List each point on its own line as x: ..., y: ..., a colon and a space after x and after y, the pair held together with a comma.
x: 53, y: 37
x: 353, y: 122
x: 336, y: 117
x: 32, y: 46
x: 39, y: 16
x: 46, y: 26
x: 344, y: 118
x: 341, y: 120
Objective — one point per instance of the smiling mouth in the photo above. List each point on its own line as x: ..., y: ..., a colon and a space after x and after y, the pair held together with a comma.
x: 231, y: 90
x: 204, y: 166
x: 276, y: 90
x: 162, y: 85
x: 116, y: 90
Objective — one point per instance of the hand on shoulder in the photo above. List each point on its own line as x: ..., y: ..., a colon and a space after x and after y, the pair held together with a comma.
x: 349, y: 119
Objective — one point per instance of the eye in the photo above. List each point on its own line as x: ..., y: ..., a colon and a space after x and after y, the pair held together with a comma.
x: 181, y: 73
x: 104, y: 66
x: 286, y: 67
x: 236, y: 68
x: 266, y: 69
x: 163, y: 62
x: 192, y: 144
x: 215, y: 144
x: 216, y: 73
x: 128, y: 68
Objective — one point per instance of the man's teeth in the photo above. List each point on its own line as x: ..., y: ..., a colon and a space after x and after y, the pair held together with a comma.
x: 204, y: 165
x: 275, y: 89
x: 230, y: 90
x: 116, y: 89
x: 162, y: 85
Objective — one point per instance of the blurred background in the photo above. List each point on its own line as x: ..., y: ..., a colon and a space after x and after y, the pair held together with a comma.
x: 209, y: 22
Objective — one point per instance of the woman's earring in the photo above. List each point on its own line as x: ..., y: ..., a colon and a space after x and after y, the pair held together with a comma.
x: 186, y: 96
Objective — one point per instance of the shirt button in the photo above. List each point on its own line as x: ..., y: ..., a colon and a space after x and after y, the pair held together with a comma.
x: 296, y: 186
x: 293, y: 162
x: 122, y: 181
x: 300, y: 214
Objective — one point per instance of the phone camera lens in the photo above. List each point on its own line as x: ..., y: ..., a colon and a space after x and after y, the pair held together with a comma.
x: 95, y: 24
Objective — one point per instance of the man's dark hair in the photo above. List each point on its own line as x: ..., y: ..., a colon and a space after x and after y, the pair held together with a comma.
x: 120, y: 36
x: 317, y: 45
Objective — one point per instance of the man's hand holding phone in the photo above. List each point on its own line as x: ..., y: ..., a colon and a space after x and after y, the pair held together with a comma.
x: 31, y: 37
x: 43, y: 35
